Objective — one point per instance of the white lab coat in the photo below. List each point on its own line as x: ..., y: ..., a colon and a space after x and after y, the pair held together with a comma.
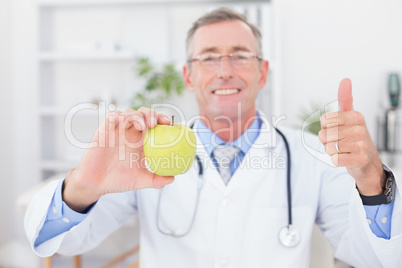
x: 237, y: 225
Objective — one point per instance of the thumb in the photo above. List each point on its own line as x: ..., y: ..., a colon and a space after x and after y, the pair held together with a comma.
x: 159, y: 182
x: 147, y: 179
x: 345, y: 98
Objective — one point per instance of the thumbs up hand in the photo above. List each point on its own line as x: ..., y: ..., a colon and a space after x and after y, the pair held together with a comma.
x: 348, y: 142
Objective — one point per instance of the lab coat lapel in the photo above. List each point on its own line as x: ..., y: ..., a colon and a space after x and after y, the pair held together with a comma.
x: 259, y: 160
x: 211, y: 174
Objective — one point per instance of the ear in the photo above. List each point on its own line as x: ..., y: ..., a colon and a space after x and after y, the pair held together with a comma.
x: 187, y: 78
x: 263, y: 74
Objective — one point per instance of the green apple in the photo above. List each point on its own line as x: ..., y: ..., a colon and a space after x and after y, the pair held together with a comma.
x: 170, y: 149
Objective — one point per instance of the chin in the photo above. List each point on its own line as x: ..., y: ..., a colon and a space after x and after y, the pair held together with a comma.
x: 224, y: 112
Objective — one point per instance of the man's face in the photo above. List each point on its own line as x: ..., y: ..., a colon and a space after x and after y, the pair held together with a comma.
x: 219, y: 89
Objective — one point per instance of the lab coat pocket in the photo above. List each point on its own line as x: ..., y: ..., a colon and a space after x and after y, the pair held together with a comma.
x: 263, y: 245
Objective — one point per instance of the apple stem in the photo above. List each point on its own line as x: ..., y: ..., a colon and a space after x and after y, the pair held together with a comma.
x: 172, y: 120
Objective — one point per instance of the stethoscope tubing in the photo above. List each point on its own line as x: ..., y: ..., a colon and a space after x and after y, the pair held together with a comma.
x: 290, y: 232
x: 288, y: 176
x: 200, y: 184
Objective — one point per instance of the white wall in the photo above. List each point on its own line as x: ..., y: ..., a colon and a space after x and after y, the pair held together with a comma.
x: 25, y: 103
x: 17, y: 160
x: 327, y: 40
x: 7, y: 178
x: 322, y: 42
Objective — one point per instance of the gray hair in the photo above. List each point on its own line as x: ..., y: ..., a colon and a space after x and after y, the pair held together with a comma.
x: 219, y: 15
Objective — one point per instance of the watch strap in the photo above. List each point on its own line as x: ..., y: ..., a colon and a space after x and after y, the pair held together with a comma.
x: 388, y: 194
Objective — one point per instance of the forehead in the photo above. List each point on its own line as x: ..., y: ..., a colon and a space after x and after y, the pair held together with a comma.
x: 224, y: 37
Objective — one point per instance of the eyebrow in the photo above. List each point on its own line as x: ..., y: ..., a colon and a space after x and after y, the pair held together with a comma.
x: 215, y: 49
x: 240, y: 48
x: 209, y: 49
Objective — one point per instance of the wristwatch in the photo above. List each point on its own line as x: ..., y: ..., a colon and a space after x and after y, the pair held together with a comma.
x: 388, y: 194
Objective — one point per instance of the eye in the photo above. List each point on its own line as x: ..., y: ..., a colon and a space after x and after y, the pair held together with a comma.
x: 240, y: 57
x: 209, y: 58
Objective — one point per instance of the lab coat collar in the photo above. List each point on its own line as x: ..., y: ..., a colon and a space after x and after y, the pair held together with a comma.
x: 253, y: 166
x: 243, y: 142
x: 265, y: 142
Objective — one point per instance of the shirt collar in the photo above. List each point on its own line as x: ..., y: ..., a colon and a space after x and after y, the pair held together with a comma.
x: 210, y: 140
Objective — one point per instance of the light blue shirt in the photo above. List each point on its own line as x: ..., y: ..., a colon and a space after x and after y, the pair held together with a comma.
x: 210, y: 141
x: 61, y: 218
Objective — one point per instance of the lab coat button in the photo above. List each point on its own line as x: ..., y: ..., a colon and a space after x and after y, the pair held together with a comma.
x: 168, y: 232
x: 384, y: 220
x: 225, y: 202
x: 224, y: 263
x: 368, y: 221
x: 54, y: 210
x: 66, y: 220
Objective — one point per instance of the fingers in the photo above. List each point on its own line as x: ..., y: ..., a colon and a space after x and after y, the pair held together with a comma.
x: 152, y: 118
x: 132, y: 118
x: 346, y: 130
x: 335, y: 119
x: 350, y: 160
x: 112, y: 119
x: 350, y: 155
x: 103, y: 132
x: 163, y: 119
x: 345, y: 147
x: 141, y: 120
x: 352, y: 133
x: 124, y: 120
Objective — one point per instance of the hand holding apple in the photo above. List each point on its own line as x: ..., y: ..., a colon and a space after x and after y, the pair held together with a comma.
x: 114, y: 163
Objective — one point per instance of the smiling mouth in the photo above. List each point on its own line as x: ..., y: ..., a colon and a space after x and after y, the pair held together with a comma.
x: 227, y: 91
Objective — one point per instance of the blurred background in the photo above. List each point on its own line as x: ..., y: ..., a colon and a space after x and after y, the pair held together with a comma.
x: 65, y: 63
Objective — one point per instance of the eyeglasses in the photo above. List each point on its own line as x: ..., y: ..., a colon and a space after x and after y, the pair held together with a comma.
x: 238, y: 59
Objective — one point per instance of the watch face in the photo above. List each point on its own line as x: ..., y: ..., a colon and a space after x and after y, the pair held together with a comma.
x: 389, y: 191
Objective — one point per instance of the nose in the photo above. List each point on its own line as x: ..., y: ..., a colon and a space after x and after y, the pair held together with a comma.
x: 225, y: 69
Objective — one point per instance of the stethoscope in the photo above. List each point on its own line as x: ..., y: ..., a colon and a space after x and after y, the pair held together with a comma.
x: 289, y: 235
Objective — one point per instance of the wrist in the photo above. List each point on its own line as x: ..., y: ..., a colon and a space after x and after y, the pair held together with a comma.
x: 369, y: 190
x: 387, y: 194
x: 76, y: 194
x: 372, y: 185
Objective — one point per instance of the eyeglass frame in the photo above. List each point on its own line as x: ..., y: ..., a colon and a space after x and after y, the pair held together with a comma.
x: 197, y: 59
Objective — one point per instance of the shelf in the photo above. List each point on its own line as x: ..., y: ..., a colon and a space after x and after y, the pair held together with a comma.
x: 52, y: 111
x: 89, y: 3
x: 55, y: 111
x: 58, y: 165
x: 87, y: 56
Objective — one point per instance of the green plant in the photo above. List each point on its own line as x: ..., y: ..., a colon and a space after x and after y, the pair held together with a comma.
x: 160, y: 84
x: 311, y: 118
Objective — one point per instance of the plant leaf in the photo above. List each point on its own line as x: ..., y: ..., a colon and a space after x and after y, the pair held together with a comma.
x: 144, y: 66
x: 153, y: 82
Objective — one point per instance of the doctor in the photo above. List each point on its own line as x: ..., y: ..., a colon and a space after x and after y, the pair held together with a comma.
x: 241, y: 208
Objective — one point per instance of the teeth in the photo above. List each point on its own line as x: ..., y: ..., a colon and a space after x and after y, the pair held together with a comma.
x: 226, y: 91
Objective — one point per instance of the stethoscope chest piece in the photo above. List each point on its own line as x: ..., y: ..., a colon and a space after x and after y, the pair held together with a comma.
x: 289, y: 236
